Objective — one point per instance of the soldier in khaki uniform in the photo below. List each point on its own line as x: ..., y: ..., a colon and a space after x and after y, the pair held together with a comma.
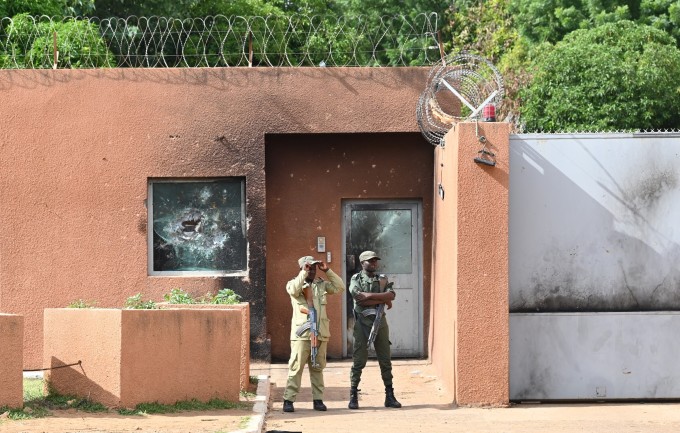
x: 308, y: 296
x: 369, y: 290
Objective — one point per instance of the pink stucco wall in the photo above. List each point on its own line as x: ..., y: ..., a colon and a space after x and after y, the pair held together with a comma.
x: 469, y: 345
x: 244, y: 352
x: 79, y: 147
x: 129, y: 357
x: 11, y: 360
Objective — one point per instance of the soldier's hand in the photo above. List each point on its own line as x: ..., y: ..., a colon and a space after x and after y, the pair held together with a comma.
x: 389, y: 304
x: 323, y: 266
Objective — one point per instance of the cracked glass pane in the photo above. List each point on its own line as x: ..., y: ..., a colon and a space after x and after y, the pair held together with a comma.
x: 388, y: 233
x: 199, y: 226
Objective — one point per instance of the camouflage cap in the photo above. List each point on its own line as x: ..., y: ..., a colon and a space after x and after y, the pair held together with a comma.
x: 307, y: 260
x: 368, y: 255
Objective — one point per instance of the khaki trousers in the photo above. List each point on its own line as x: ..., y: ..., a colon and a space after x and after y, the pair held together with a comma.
x: 301, y: 354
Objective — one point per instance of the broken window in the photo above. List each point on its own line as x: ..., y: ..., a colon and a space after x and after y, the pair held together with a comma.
x: 197, y: 227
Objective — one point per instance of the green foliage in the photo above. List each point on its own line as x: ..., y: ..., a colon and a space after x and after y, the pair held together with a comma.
x: 244, y: 8
x: 179, y: 296
x: 614, y: 77
x: 126, y: 8
x: 226, y: 296
x: 663, y: 15
x: 485, y: 28
x: 81, y: 303
x: 137, y: 303
x: 181, y: 406
x: 31, y: 43
x: 50, y: 8
x: 10, y: 8
x: 38, y: 403
x: 54, y: 400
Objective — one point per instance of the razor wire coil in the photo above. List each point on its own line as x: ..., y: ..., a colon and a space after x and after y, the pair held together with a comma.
x: 218, y: 41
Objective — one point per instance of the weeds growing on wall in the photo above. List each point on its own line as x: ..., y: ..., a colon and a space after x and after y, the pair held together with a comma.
x: 137, y: 303
x: 223, y: 297
x: 81, y: 303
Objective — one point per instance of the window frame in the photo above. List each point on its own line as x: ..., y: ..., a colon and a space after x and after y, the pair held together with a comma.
x: 150, y: 231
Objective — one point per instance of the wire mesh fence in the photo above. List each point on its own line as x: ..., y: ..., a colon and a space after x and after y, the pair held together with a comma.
x: 218, y: 41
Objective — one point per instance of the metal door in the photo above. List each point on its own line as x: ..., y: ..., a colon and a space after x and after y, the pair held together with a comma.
x: 393, y: 230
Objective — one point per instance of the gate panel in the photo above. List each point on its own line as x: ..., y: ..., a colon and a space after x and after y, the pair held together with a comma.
x: 594, y: 243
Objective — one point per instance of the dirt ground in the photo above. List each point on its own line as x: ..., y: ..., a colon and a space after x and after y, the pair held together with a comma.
x: 427, y: 408
x: 71, y: 421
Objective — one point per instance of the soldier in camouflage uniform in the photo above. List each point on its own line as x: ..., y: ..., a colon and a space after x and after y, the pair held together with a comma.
x: 370, y: 290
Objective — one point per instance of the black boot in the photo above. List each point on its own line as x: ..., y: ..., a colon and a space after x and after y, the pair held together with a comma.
x: 353, y: 398
x: 390, y: 401
x: 288, y: 406
x: 318, y: 405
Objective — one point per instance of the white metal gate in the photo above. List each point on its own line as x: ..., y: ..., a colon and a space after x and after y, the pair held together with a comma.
x: 594, y: 266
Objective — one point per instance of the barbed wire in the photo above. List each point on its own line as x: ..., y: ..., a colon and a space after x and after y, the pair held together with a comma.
x: 41, y: 42
x: 522, y: 130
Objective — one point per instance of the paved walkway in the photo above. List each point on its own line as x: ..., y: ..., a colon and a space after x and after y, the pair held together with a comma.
x: 427, y: 408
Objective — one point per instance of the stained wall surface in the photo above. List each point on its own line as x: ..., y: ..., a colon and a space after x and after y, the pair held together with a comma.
x: 244, y: 349
x: 79, y: 147
x: 607, y: 203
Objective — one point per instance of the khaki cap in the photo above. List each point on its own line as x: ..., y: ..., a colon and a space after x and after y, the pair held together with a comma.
x: 368, y: 255
x: 307, y: 260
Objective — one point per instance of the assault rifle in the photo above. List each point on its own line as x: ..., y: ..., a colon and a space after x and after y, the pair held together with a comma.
x: 379, y: 310
x: 376, y: 324
x: 312, y: 325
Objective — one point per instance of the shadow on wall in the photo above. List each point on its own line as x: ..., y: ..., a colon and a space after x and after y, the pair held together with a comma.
x: 591, y: 224
x: 75, y: 381
x: 215, y: 78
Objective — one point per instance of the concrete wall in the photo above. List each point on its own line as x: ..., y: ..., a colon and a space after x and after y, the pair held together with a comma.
x: 11, y: 360
x: 470, y: 267
x: 244, y: 352
x: 129, y: 357
x: 79, y: 147
x: 308, y: 176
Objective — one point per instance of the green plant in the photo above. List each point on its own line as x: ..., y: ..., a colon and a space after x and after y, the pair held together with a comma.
x: 81, y: 303
x: 179, y: 296
x: 39, y: 399
x: 243, y: 423
x: 226, y: 296
x: 181, y: 406
x: 613, y: 77
x: 137, y: 303
x: 30, y: 44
